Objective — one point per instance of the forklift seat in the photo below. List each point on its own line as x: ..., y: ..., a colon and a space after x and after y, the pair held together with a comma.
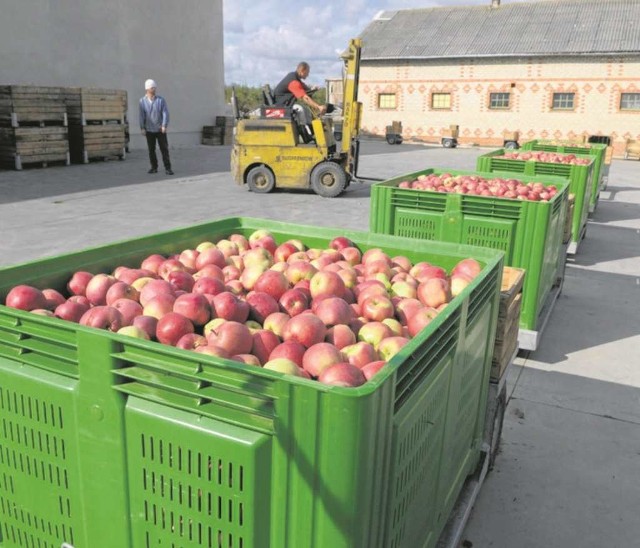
x: 267, y: 95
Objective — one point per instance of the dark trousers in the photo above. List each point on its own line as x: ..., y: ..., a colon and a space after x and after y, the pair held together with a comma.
x: 161, y: 139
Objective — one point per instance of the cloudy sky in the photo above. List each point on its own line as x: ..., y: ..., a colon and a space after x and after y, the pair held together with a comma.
x: 265, y: 40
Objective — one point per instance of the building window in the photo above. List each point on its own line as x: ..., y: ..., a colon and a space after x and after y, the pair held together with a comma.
x: 387, y: 100
x: 630, y: 101
x: 563, y: 101
x: 499, y: 100
x: 441, y: 101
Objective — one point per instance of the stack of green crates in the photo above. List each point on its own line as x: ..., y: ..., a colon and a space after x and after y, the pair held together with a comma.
x: 597, y: 150
x: 529, y: 233
x: 579, y: 176
x: 115, y: 441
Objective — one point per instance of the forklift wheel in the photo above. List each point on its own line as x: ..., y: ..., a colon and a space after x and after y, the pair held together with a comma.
x: 511, y: 145
x: 391, y: 139
x: 328, y: 179
x: 261, y: 180
x: 448, y: 143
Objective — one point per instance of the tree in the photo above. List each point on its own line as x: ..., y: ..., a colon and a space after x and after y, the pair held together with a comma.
x: 248, y: 98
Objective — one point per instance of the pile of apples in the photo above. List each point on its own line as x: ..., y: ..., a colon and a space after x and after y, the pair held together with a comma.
x: 481, y: 186
x: 336, y: 315
x: 549, y: 157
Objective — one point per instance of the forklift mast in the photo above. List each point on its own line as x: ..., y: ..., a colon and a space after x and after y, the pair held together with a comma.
x: 351, y: 108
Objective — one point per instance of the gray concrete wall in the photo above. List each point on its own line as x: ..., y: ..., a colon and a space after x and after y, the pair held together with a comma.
x: 119, y: 44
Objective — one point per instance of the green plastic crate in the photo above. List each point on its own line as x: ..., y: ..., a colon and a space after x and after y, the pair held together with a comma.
x: 580, y: 178
x: 596, y: 150
x: 124, y: 442
x: 529, y: 233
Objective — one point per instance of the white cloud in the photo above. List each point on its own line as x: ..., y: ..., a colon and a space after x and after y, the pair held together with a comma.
x: 264, y: 41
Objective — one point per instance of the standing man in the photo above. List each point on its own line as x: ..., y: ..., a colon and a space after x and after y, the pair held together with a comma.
x: 154, y: 121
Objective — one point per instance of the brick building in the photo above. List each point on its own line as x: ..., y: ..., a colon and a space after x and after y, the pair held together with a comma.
x: 562, y: 69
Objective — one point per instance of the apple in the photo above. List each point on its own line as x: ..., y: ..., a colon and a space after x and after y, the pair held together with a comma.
x: 253, y: 326
x: 401, y: 262
x: 293, y: 302
x: 71, y: 311
x: 405, y: 308
x: 342, y: 374
x: 333, y: 311
x: 181, y: 280
x: 121, y: 290
x: 210, y: 271
x: 340, y: 243
x: 230, y: 307
x: 129, y: 310
x: 402, y: 289
x: 360, y: 353
x: 77, y: 285
x: 208, y: 285
x: 258, y: 257
x: 326, y: 283
x: 213, y: 350
x: 273, y: 283
x: 370, y: 370
x: 234, y: 337
x: 153, y: 288
x: 340, y: 335
x: 133, y: 331
x: 153, y: 262
x: 261, y: 305
x: 319, y: 357
x: 147, y: 324
x: 188, y: 258
x: 284, y: 251
x: 394, y: 325
x: 227, y: 247
x: 159, y: 306
x: 139, y: 283
x: 130, y: 275
x: 374, y: 332
x: 235, y: 287
x: 231, y: 272
x: 291, y: 350
x: 425, y: 271
x: 26, y: 297
x: 191, y: 341
x: 171, y: 327
x: 469, y: 267
x: 193, y: 306
x: 247, y: 359
x: 275, y: 322
x: 420, y: 319
x: 283, y: 365
x: 390, y: 346
x: 352, y: 255
x: 211, y: 255
x: 96, y: 290
x: 306, y: 329
x: 377, y: 307
x: 458, y: 283
x: 241, y: 241
x: 170, y: 265
x: 102, y: 317
x: 43, y: 312
x: 212, y: 326
x: 264, y: 342
x: 433, y: 292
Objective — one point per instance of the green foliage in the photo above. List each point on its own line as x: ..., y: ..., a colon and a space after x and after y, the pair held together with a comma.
x: 250, y: 98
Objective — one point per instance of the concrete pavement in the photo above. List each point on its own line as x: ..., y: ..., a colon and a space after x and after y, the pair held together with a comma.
x: 569, y: 469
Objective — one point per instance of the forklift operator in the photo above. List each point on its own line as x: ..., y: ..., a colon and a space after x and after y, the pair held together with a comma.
x: 291, y: 87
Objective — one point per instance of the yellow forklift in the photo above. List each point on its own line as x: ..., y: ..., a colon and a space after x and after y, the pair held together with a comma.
x: 275, y: 150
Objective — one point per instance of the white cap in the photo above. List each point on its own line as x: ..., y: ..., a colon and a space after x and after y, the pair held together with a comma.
x: 150, y: 84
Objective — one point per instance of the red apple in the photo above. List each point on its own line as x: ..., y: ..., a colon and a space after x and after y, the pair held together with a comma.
x: 153, y: 262
x: 129, y: 310
x: 247, y: 359
x: 264, y: 342
x: 360, y: 353
x: 275, y: 322
x: 77, y: 285
x: 293, y: 302
x: 340, y: 335
x: 326, y: 283
x: 261, y: 305
x: 306, y: 329
x: 211, y: 255
x: 374, y: 332
x: 213, y: 350
x: 171, y: 327
x: 370, y: 370
x: 159, y: 306
x: 283, y: 365
x: 333, y: 311
x: 181, y: 280
x: 340, y: 243
x: 53, y: 298
x: 193, y: 306
x: 97, y: 288
x: 420, y: 319
x: 273, y: 283
x: 377, y: 307
x: 230, y: 307
x: 191, y: 341
x: 121, y: 290
x: 71, y: 311
x: 470, y: 267
x: 208, y: 285
x: 342, y: 374
x: 153, y: 288
x: 234, y: 337
x: 433, y: 292
x: 26, y: 297
x: 319, y: 357
x: 147, y: 324
x: 291, y: 350
x: 390, y: 346
x: 102, y: 317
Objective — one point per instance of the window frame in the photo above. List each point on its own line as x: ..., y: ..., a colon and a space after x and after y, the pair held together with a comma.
x: 637, y: 101
x: 440, y: 93
x: 563, y: 108
x: 504, y: 107
x: 386, y: 95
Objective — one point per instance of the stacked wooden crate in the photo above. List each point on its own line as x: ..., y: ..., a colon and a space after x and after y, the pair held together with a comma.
x: 506, y: 343
x: 33, y: 126
x: 221, y: 133
x: 96, y: 123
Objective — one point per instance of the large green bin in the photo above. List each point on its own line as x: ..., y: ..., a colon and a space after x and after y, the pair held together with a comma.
x: 597, y: 150
x: 115, y: 441
x: 529, y: 233
x: 579, y: 176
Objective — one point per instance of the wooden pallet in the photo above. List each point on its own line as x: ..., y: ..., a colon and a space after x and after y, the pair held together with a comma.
x: 33, y: 145
x: 91, y: 142
x: 217, y: 135
x: 225, y: 121
x: 28, y: 106
x: 86, y: 106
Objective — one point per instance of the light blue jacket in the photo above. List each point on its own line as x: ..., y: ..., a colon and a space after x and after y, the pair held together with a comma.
x: 153, y: 114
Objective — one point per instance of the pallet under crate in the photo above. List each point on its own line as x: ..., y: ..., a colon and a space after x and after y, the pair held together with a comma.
x: 33, y: 145
x: 96, y: 142
x: 87, y: 105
